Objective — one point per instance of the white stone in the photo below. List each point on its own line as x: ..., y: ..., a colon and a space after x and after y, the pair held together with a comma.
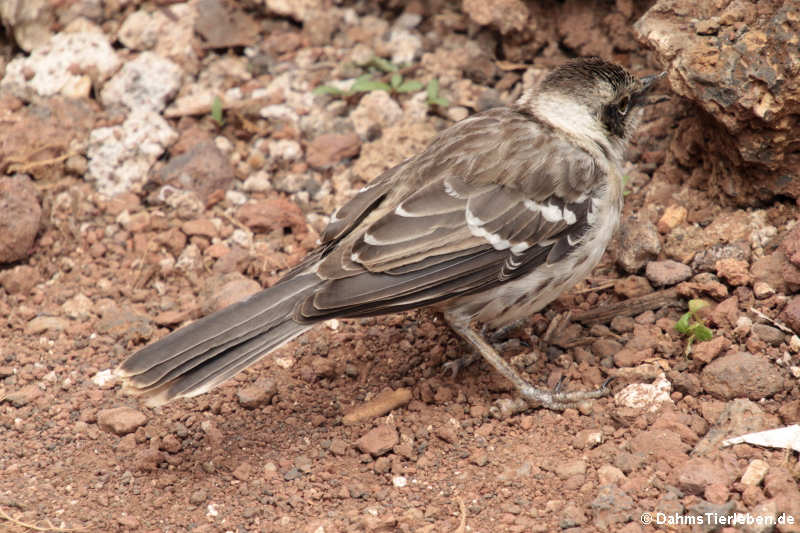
x: 404, y: 45
x: 170, y: 37
x: 104, y: 378
x: 120, y: 156
x: 77, y: 307
x: 285, y: 149
x: 49, y: 69
x: 279, y: 112
x: 242, y: 238
x: 147, y: 82
x: 755, y: 472
x: 376, y: 107
x: 190, y: 259
x: 645, y: 395
x: 258, y: 182
x: 235, y: 197
x: 299, y: 10
x: 794, y: 343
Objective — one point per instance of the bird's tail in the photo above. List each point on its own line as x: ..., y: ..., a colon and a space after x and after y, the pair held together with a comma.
x: 200, y: 356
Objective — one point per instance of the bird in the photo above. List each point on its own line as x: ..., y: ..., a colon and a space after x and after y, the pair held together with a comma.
x: 501, y: 213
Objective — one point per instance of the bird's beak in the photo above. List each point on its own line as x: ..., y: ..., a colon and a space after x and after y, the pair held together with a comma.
x: 649, y: 81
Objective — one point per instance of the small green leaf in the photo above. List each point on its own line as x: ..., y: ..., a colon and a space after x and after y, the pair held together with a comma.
x: 328, y: 89
x: 362, y: 78
x: 433, y: 94
x: 688, y: 349
x: 216, y: 111
x: 682, y: 325
x: 367, y: 84
x: 383, y: 64
x: 697, y: 304
x: 702, y: 333
x: 396, y: 80
x: 409, y: 86
x: 433, y: 90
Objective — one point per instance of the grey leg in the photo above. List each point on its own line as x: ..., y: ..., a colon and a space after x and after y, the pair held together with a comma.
x: 457, y: 365
x: 497, y: 338
x: 555, y: 400
x: 559, y: 321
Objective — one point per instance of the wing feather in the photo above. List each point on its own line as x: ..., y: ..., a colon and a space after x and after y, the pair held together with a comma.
x: 491, y: 202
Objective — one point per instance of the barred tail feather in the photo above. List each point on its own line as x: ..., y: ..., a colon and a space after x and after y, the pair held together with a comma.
x: 200, y: 356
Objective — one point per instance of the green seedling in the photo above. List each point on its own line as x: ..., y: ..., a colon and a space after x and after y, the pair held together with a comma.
x: 691, y: 325
x: 396, y: 83
x: 625, y: 179
x: 433, y: 94
x: 366, y: 83
x: 216, y: 111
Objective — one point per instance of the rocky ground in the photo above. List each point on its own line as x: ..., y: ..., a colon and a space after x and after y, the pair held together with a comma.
x: 162, y: 160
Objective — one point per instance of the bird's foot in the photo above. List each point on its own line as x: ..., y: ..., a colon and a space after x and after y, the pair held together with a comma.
x: 555, y: 399
x: 457, y: 365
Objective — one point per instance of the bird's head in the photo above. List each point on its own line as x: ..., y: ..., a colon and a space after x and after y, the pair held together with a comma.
x: 592, y: 98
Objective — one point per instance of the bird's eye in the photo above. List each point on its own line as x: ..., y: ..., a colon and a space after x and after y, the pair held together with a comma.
x: 624, y: 104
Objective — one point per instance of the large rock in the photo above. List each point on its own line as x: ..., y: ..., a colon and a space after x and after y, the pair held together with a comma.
x: 19, y: 218
x: 204, y: 169
x: 737, y: 61
x: 507, y: 15
x: 742, y: 375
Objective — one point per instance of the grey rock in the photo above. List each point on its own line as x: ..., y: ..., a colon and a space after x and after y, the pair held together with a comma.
x: 665, y: 273
x: 20, y: 215
x: 258, y: 394
x: 120, y: 420
x: 639, y: 242
x: 769, y: 334
x: 742, y: 375
x: 755, y: 105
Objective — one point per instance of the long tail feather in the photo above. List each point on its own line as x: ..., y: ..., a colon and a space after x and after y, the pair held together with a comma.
x: 200, y: 356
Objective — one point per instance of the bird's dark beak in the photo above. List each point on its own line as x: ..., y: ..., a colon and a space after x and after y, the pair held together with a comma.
x: 641, y: 96
x: 648, y: 81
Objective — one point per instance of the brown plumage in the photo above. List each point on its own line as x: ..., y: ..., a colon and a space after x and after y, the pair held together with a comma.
x: 500, y: 214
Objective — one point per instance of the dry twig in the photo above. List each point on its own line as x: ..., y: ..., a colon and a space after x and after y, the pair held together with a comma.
x: 630, y: 307
x: 47, y: 527
x: 777, y: 323
x: 378, y: 406
x: 462, y: 527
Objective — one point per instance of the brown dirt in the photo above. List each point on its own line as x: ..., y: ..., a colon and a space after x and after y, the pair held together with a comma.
x: 227, y: 461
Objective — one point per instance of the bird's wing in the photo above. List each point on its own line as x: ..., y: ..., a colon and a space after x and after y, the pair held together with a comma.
x: 495, y: 199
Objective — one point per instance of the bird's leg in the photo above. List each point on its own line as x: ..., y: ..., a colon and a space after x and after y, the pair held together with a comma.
x: 457, y: 365
x: 559, y: 321
x: 502, y: 334
x: 498, y: 338
x: 555, y: 400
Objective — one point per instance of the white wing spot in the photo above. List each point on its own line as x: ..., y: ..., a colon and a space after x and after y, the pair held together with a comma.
x: 370, y: 239
x: 400, y: 211
x: 472, y: 220
x: 550, y: 212
x: 367, y: 187
x: 451, y: 191
x: 591, y: 216
x: 474, y: 223
x: 569, y: 216
x: 520, y: 247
